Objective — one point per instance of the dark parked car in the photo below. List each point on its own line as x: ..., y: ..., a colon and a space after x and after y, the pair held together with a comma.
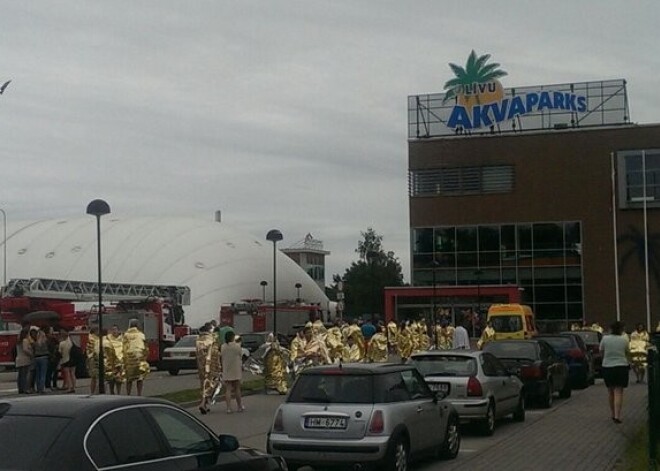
x: 572, y: 348
x: 116, y: 432
x: 592, y: 339
x: 539, y: 367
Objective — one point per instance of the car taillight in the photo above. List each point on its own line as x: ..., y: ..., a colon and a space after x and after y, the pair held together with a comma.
x: 575, y: 354
x: 278, y: 425
x: 531, y: 372
x: 377, y: 424
x: 474, y: 387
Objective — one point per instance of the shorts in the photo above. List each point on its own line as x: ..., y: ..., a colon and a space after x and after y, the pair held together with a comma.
x: 616, y: 376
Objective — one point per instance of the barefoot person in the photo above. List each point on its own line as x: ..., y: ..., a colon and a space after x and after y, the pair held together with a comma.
x: 135, y: 353
x: 231, y: 356
x: 208, y: 365
x: 616, y: 353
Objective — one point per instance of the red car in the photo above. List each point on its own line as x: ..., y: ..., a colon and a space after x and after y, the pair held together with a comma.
x: 592, y: 340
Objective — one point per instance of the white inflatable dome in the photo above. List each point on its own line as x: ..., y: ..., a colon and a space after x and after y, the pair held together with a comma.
x: 219, y: 264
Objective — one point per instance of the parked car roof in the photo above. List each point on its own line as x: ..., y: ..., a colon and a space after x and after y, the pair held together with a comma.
x: 359, y: 368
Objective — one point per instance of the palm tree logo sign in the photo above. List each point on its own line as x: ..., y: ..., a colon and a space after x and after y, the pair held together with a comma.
x: 477, y: 83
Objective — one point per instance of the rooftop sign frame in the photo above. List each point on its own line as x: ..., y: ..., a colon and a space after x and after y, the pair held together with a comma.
x: 476, y: 103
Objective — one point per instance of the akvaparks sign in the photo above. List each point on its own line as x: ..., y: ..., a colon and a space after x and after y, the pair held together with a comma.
x: 481, y: 101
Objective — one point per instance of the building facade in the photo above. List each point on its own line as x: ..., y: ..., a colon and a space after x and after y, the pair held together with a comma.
x: 552, y: 201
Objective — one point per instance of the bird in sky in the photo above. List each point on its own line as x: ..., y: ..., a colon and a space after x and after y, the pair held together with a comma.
x: 4, y: 85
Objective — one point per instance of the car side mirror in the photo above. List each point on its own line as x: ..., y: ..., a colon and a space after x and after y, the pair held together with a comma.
x: 228, y: 443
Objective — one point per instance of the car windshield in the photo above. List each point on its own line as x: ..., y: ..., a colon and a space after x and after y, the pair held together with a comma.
x: 333, y: 388
x: 20, y: 445
x: 518, y: 350
x: 445, y: 365
x: 560, y: 343
x: 511, y: 323
x: 253, y: 339
x: 187, y: 341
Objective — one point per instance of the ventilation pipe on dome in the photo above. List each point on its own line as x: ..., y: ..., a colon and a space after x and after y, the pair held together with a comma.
x: 218, y: 216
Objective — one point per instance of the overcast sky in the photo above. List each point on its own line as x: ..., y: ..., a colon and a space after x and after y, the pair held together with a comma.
x: 282, y: 114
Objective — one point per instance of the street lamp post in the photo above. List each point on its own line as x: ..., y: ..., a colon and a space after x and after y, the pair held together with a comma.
x: 298, y: 286
x: 478, y: 274
x: 433, y: 307
x: 4, y: 248
x: 99, y: 208
x: 263, y: 284
x: 274, y: 236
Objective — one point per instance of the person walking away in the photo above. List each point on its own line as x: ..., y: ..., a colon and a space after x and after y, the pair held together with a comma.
x: 32, y: 377
x: 23, y: 360
x: 461, y: 340
x: 377, y: 351
x: 53, y: 359
x: 40, y: 349
x: 67, y: 364
x: 92, y: 358
x: 135, y: 351
x: 113, y: 358
x: 208, y: 365
x: 232, y: 370
x: 616, y: 355
x: 639, y: 344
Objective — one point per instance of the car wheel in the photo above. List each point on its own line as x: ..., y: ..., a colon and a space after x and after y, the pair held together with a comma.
x: 565, y: 393
x: 546, y: 401
x: 452, y: 442
x: 519, y: 413
x: 174, y: 371
x: 397, y: 455
x: 487, y: 425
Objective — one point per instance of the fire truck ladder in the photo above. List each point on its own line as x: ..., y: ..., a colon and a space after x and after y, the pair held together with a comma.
x: 87, y: 291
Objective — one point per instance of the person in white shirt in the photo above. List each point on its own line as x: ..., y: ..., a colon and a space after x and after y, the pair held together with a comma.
x: 616, y: 367
x: 461, y: 340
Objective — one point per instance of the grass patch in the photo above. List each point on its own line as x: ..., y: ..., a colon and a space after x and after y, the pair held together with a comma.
x: 637, y: 450
x: 194, y: 395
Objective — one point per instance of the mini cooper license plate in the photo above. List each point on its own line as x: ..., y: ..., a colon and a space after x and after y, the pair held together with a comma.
x: 326, y: 422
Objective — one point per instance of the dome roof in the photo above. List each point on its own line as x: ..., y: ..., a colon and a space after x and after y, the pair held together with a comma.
x: 219, y: 264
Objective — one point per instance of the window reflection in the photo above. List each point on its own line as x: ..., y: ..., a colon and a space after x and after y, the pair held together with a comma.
x: 543, y: 258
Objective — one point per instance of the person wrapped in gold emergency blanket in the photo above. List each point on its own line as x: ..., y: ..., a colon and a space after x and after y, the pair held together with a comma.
x: 113, y: 359
x: 377, y: 351
x: 444, y: 335
x: 208, y: 365
x: 392, y: 332
x: 275, y: 359
x: 334, y: 340
x: 639, y: 344
x: 92, y: 358
x: 136, y: 352
x: 488, y: 335
x: 404, y: 342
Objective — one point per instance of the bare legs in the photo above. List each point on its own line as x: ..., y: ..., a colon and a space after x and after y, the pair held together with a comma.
x: 129, y: 387
x: 236, y: 387
x: 615, y: 396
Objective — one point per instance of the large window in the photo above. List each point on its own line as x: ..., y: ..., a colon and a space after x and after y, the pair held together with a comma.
x: 543, y: 258
x: 456, y: 181
x: 631, y: 166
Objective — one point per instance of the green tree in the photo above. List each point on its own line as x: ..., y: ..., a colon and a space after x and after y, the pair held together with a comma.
x: 365, y: 279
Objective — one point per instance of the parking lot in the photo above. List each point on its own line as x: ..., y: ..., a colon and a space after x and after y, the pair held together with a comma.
x: 575, y: 433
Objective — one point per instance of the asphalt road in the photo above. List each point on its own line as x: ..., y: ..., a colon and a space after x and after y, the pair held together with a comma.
x: 251, y: 427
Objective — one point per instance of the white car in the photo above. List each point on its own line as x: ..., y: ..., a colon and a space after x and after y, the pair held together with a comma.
x: 476, y: 383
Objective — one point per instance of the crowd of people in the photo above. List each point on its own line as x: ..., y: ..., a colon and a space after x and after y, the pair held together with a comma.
x: 43, y: 355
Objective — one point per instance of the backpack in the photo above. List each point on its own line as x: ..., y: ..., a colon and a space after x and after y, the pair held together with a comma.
x: 76, y: 354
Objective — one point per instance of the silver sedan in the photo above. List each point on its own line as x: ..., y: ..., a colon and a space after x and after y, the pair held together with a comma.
x: 477, y: 384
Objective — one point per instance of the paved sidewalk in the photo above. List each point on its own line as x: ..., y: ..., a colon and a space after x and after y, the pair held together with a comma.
x: 577, y: 435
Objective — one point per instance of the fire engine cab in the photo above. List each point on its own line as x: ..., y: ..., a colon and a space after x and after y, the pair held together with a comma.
x: 250, y: 315
x: 65, y: 304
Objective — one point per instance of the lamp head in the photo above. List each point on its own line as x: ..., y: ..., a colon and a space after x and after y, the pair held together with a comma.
x: 98, y: 208
x: 274, y: 235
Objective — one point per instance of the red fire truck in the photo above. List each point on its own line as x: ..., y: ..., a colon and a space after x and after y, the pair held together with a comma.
x: 66, y: 304
x: 251, y: 315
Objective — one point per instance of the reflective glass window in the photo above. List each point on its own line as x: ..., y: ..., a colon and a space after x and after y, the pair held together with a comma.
x: 466, y: 239
x: 548, y: 236
x: 489, y: 238
x: 422, y: 240
x: 445, y: 239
